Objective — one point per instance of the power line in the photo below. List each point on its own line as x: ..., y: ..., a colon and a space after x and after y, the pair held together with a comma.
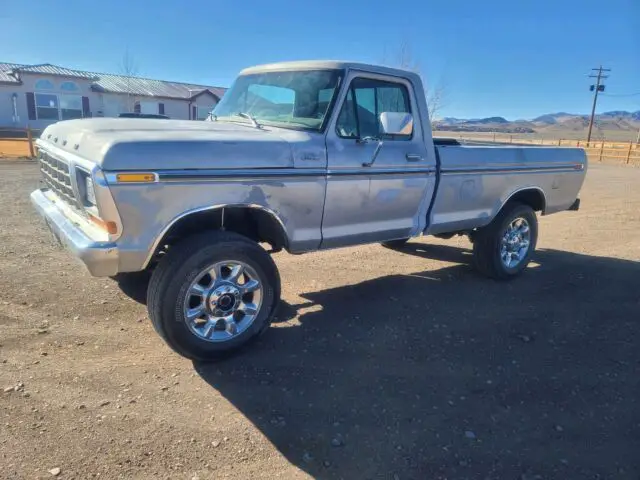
x: 621, y: 94
x: 598, y: 87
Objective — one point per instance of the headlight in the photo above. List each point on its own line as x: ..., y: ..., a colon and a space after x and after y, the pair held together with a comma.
x: 89, y: 191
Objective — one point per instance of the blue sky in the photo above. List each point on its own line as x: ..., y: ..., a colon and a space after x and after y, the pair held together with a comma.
x: 514, y: 58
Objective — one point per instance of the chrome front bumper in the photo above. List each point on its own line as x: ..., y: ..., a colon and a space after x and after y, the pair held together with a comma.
x: 100, y: 257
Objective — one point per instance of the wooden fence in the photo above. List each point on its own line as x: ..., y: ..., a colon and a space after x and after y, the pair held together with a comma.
x: 16, y: 143
x: 620, y: 153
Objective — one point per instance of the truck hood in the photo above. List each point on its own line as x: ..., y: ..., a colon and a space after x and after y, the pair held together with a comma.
x: 154, y: 144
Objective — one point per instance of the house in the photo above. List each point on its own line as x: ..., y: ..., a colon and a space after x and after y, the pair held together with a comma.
x: 38, y: 95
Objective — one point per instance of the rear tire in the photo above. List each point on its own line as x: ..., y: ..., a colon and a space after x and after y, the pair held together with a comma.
x: 498, y: 248
x: 176, y: 291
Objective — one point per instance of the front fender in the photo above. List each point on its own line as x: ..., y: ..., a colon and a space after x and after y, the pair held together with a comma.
x: 149, y: 210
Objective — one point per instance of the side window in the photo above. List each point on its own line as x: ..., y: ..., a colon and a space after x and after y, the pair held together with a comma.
x: 347, y: 124
x: 365, y: 101
x: 367, y: 112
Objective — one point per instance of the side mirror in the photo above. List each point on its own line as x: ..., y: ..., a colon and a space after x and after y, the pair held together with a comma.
x: 396, y: 123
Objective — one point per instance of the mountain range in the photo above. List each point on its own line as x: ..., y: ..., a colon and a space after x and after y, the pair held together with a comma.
x: 619, y: 122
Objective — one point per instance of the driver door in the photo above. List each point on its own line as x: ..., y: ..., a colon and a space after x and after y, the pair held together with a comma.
x: 377, y: 184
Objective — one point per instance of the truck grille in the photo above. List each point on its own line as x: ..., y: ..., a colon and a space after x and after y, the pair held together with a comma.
x: 57, y: 177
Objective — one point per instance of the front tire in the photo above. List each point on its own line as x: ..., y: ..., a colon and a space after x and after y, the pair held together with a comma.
x: 503, y: 249
x: 213, y: 294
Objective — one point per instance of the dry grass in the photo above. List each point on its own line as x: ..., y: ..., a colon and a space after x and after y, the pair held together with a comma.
x: 623, y: 136
x: 14, y: 147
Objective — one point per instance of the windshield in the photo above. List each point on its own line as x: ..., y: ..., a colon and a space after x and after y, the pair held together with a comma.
x: 293, y: 99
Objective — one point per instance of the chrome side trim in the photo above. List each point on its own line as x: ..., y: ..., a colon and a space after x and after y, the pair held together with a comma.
x: 244, y: 174
x: 573, y: 167
x: 164, y: 231
x: 240, y: 174
x: 382, y: 171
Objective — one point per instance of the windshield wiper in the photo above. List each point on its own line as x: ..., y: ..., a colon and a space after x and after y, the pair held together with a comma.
x: 253, y: 120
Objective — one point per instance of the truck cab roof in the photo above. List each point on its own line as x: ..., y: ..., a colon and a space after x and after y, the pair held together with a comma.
x: 329, y: 65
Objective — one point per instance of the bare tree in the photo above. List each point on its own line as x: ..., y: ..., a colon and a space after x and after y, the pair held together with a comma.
x: 436, y: 92
x: 129, y: 69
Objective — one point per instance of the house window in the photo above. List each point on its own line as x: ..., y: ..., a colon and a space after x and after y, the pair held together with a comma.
x: 44, y: 84
x: 69, y: 87
x: 70, y: 107
x: 203, y: 112
x: 50, y: 106
x: 47, y: 106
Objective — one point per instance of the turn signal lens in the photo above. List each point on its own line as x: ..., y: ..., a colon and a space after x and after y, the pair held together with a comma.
x: 110, y: 227
x: 135, y: 177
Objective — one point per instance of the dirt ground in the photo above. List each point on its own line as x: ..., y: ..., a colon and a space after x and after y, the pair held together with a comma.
x: 382, y: 365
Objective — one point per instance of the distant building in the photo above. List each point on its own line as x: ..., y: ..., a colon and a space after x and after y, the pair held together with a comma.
x: 38, y: 95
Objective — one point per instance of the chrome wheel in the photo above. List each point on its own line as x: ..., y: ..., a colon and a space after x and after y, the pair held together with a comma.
x: 515, y: 243
x: 223, y: 301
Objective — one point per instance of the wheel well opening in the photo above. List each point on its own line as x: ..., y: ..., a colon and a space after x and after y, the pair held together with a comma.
x: 256, y: 224
x: 532, y: 197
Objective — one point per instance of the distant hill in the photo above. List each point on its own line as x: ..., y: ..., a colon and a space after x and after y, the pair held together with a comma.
x: 551, y: 118
x: 618, y: 124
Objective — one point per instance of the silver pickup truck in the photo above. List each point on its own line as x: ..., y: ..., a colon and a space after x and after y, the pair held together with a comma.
x: 300, y: 156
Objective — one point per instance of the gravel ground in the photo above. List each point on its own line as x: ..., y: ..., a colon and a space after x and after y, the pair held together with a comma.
x: 382, y: 364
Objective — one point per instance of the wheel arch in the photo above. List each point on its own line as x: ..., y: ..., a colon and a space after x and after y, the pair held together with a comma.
x: 256, y: 222
x: 532, y: 196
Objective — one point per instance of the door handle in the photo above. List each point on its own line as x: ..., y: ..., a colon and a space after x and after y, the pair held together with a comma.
x: 413, y: 157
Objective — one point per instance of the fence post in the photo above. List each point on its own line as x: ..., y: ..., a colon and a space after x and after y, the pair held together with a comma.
x: 510, y: 138
x: 30, y: 138
x: 601, y: 149
x: 494, y: 137
x: 559, y: 142
x: 629, y: 152
x: 578, y: 144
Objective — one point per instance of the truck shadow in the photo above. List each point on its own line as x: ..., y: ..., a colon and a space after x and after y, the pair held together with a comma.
x: 444, y: 374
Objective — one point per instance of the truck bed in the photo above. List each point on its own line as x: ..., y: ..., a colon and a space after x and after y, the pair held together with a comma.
x: 477, y: 180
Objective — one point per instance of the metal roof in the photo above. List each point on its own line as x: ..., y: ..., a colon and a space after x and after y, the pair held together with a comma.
x: 5, y: 68
x: 108, y: 82
x: 47, y: 68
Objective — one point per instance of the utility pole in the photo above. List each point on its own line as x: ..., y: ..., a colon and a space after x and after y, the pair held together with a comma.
x: 598, y: 87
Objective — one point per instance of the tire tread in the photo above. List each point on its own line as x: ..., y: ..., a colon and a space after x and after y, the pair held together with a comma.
x: 177, y: 256
x: 484, y: 244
